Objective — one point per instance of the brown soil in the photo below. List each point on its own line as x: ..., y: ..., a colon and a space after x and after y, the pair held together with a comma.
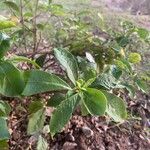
x: 87, y: 133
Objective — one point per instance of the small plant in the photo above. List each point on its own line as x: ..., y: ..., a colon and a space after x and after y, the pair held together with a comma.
x: 79, y: 93
x: 96, y: 67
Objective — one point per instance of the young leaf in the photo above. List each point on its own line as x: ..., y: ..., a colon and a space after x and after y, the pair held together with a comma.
x: 36, y: 122
x: 68, y: 61
x: 42, y: 143
x: 116, y: 107
x: 11, y: 80
x: 95, y: 101
x: 4, y: 44
x: 63, y: 113
x: 39, y: 81
x: 4, y: 134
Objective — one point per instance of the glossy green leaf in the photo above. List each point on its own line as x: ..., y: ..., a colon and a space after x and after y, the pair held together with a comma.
x: 4, y: 134
x: 11, y: 80
x: 55, y: 100
x: 36, y: 122
x: 4, y: 44
x: 68, y: 61
x: 4, y: 109
x: 116, y: 107
x: 42, y: 143
x: 63, y: 113
x: 95, y: 101
x: 39, y: 81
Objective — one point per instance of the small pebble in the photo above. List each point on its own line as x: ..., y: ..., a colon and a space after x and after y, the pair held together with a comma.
x: 69, y: 146
x: 70, y: 137
x: 87, y: 131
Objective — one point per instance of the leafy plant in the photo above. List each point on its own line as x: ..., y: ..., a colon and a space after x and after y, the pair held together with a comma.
x: 101, y: 66
x: 79, y: 93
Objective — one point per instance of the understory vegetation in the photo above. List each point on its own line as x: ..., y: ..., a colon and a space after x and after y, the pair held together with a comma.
x: 96, y: 63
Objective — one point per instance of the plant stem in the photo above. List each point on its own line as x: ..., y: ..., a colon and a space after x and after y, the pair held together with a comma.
x: 35, y: 27
x: 23, y: 25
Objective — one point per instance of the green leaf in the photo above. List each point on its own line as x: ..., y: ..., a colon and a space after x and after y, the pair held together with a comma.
x: 63, y: 113
x: 12, y: 5
x: 116, y: 107
x: 36, y: 122
x: 40, y: 60
x: 84, y: 110
x: 35, y: 106
x: 42, y: 143
x: 57, y: 10
x: 128, y: 66
x: 55, y: 100
x: 105, y: 81
x: 4, y: 134
x: 122, y: 41
x: 7, y: 24
x: 16, y: 58
x: 116, y: 72
x: 142, y: 85
x: 4, y: 44
x: 4, y: 145
x: 131, y: 89
x: 39, y: 81
x: 95, y: 101
x: 5, y: 109
x: 68, y: 61
x: 143, y: 33
x: 11, y: 80
x: 89, y: 82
